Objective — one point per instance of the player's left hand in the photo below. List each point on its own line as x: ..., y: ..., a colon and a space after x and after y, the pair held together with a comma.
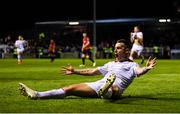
x: 151, y: 62
x: 68, y: 70
x: 82, y: 49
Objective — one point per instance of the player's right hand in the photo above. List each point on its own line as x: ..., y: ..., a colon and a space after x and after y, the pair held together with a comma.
x: 68, y: 70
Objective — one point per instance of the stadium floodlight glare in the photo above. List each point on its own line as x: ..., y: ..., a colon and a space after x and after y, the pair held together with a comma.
x: 162, y: 20
x: 168, y: 20
x: 73, y: 23
x: 125, y: 20
x: 119, y: 20
x: 50, y: 22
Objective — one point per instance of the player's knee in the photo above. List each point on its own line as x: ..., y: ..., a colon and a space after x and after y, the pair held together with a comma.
x: 115, y: 92
x: 83, y: 56
x: 115, y: 89
x: 87, y: 56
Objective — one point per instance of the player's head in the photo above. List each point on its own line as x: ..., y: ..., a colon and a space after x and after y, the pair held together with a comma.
x: 20, y: 37
x: 121, y: 49
x: 84, y: 34
x: 136, y: 28
x: 52, y: 41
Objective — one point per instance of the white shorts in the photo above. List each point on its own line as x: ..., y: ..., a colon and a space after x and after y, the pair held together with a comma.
x: 98, y: 84
x: 137, y: 48
x: 20, y: 50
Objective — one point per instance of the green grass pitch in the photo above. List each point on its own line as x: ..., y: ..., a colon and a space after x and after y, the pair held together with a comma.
x: 156, y: 91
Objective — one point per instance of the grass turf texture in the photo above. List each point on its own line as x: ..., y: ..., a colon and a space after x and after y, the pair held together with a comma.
x: 156, y: 91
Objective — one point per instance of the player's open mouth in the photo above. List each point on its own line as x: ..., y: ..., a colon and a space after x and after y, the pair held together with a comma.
x: 116, y: 54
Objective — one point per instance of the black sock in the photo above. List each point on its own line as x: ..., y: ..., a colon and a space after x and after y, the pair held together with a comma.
x: 83, y: 61
x: 91, y: 60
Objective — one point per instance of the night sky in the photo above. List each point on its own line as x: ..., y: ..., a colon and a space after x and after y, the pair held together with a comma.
x: 23, y: 14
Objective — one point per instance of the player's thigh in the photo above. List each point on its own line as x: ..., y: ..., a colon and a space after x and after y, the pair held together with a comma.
x: 139, y: 52
x: 19, y: 52
x: 81, y: 89
x: 90, y: 54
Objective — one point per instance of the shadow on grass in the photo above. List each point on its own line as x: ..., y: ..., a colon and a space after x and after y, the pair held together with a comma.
x: 67, y: 98
x: 129, y: 99
x: 124, y: 99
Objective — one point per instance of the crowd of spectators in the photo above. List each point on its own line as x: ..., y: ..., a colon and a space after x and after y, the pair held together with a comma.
x: 164, y: 38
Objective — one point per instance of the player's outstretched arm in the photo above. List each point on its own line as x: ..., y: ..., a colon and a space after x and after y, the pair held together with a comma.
x: 131, y: 37
x: 70, y: 70
x: 151, y: 62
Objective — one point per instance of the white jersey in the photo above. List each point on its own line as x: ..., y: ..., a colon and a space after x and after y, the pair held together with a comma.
x: 137, y: 34
x: 20, y: 44
x: 124, y: 71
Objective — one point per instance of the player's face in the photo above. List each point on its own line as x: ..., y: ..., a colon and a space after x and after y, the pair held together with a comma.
x: 119, y: 49
x: 136, y: 29
x: 20, y: 38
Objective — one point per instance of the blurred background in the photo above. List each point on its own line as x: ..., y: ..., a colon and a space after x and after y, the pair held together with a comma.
x: 104, y: 21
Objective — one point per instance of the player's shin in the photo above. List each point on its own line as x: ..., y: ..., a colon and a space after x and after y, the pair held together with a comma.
x: 19, y: 57
x: 60, y: 93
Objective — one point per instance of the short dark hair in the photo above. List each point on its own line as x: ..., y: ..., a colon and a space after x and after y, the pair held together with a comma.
x: 123, y: 41
x: 138, y: 27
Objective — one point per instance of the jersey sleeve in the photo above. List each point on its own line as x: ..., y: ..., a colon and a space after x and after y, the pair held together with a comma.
x: 104, y: 69
x: 16, y: 44
x: 134, y: 73
x: 140, y: 35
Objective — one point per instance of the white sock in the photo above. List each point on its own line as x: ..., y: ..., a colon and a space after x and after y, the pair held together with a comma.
x: 52, y: 93
x: 19, y: 57
x: 131, y: 58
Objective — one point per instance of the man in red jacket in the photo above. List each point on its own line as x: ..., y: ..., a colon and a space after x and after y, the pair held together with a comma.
x: 86, y: 53
x: 51, y: 50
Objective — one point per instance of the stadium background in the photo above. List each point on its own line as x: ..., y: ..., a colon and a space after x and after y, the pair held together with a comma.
x: 117, y: 21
